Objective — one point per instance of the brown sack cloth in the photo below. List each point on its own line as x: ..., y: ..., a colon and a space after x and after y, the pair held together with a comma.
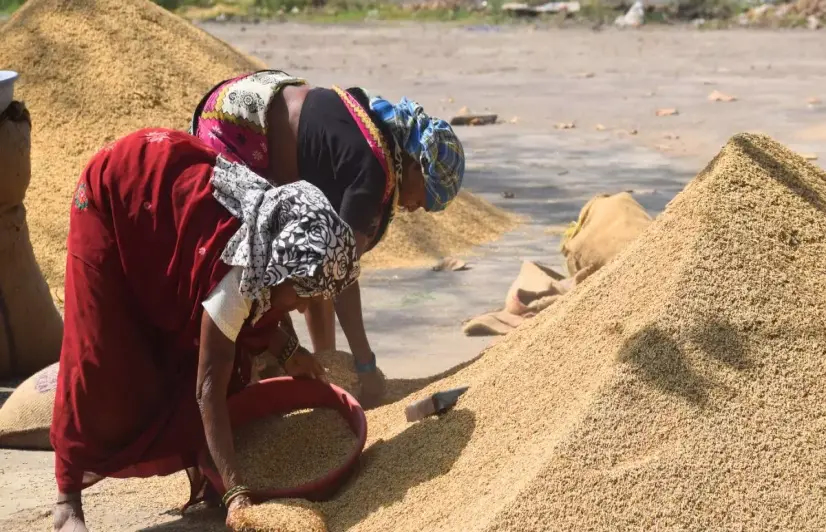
x: 492, y: 324
x: 31, y: 329
x: 26, y: 416
x: 535, y: 288
x: 606, y: 225
x: 534, y: 281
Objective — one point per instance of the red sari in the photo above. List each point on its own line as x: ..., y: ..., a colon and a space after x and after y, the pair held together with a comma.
x: 144, y: 246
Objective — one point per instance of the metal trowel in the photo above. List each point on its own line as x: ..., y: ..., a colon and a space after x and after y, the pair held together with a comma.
x: 438, y: 403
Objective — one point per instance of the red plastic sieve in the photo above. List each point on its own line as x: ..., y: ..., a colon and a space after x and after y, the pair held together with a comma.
x: 283, y: 395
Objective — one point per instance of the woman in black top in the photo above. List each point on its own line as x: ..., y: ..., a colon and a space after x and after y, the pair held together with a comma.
x: 367, y: 155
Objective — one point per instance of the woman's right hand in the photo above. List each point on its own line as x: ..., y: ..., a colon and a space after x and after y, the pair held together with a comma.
x: 239, y: 502
x: 304, y: 364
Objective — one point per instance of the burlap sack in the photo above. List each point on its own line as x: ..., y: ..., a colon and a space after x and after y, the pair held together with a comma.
x: 26, y: 416
x: 534, y: 281
x: 31, y: 329
x: 492, y: 324
x: 15, y: 154
x: 606, y: 225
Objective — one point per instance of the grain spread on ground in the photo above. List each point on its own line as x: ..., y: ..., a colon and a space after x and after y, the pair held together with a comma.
x: 94, y: 70
x: 287, y: 451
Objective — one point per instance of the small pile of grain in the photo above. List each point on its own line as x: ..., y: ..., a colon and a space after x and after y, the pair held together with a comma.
x: 419, y: 238
x: 287, y: 451
x: 286, y: 515
x: 94, y: 70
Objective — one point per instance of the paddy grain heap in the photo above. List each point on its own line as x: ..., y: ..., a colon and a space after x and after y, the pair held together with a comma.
x: 94, y: 70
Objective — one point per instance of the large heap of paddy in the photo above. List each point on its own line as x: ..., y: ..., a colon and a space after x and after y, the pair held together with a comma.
x: 681, y: 387
x: 94, y: 70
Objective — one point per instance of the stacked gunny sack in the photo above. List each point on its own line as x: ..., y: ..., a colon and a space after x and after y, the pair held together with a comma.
x: 31, y: 328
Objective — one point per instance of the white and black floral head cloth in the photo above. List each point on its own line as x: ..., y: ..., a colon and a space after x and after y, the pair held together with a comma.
x: 290, y: 233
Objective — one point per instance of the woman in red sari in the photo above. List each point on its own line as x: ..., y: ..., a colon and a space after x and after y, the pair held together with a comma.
x: 180, y: 264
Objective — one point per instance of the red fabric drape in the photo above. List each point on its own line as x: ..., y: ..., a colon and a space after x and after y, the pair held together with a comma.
x: 144, y: 248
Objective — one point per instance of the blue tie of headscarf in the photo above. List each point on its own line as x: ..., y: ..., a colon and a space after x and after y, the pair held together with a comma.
x: 430, y: 141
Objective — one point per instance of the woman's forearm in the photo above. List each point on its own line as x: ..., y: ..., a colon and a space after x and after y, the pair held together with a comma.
x: 217, y: 429
x: 321, y: 324
x: 348, y: 310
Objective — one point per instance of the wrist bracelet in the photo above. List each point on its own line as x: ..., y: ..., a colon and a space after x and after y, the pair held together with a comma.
x: 367, y: 367
x: 233, y: 493
x: 288, y: 351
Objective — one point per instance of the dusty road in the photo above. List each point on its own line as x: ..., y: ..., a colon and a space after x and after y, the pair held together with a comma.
x: 540, y: 78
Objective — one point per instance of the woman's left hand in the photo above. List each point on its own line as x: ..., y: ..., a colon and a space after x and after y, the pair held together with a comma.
x: 304, y: 364
x: 241, y: 501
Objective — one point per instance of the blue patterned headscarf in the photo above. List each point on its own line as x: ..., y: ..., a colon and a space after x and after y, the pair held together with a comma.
x: 430, y: 141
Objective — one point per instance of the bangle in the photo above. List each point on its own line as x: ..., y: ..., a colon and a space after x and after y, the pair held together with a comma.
x: 367, y: 367
x: 288, y: 351
x: 233, y: 493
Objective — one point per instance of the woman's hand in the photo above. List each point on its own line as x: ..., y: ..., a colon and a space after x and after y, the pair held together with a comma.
x: 372, y: 389
x: 241, y: 501
x: 303, y: 364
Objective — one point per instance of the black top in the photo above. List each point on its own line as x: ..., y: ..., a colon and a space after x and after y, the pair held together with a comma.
x: 334, y: 156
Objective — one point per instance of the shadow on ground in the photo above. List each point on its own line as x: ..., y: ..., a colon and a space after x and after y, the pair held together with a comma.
x: 659, y: 360
x: 390, y: 468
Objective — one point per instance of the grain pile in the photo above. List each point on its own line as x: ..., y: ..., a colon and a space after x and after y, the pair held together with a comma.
x: 288, y: 515
x: 678, y: 388
x: 416, y: 239
x: 287, y: 451
x: 94, y: 70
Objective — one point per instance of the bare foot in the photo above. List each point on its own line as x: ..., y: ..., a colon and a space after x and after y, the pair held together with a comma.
x: 68, y: 514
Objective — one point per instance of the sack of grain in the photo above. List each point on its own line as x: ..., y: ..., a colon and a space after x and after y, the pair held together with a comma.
x: 15, y: 154
x: 26, y: 415
x: 31, y: 329
x: 534, y: 282
x: 606, y: 225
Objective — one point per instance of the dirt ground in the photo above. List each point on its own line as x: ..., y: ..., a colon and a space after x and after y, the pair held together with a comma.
x: 534, y: 79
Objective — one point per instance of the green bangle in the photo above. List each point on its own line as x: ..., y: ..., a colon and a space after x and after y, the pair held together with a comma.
x: 232, y: 493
